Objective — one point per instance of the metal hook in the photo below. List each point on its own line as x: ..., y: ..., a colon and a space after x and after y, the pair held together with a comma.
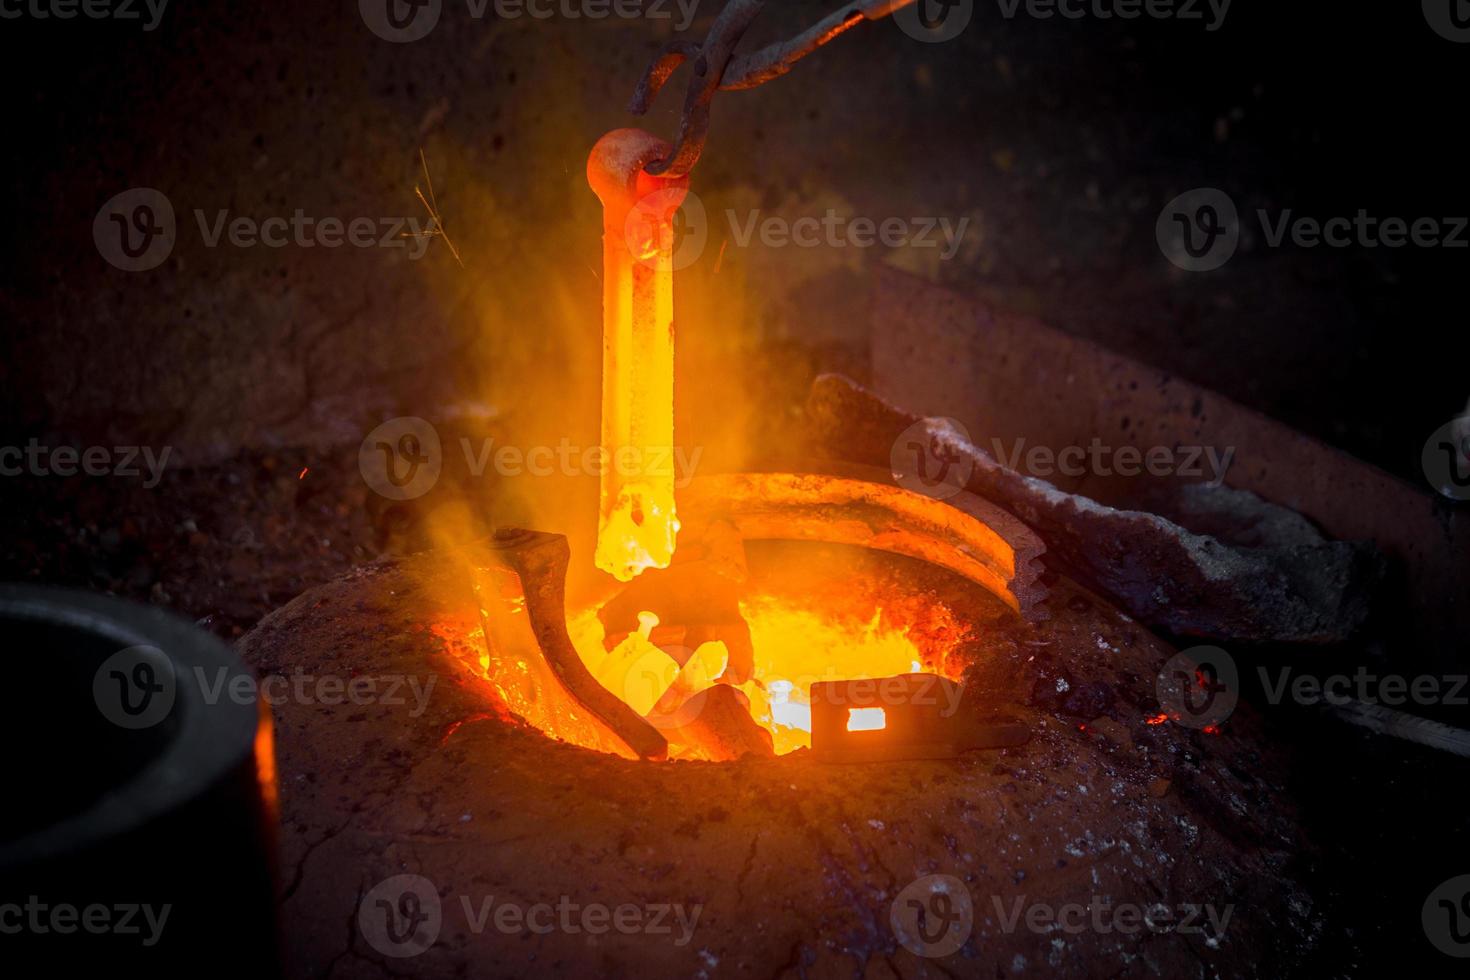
x: 716, y: 69
x: 710, y: 60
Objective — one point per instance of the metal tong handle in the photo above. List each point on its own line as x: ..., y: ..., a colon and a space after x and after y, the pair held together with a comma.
x: 716, y: 68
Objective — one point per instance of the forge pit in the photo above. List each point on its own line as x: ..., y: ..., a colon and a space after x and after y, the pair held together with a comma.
x: 795, y: 864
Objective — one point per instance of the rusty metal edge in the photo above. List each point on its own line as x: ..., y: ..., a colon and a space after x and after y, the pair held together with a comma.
x: 540, y: 559
x: 1424, y: 535
x: 961, y: 538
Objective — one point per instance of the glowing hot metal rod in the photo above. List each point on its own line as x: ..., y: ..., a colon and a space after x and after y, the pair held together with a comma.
x: 636, y: 524
x: 641, y: 181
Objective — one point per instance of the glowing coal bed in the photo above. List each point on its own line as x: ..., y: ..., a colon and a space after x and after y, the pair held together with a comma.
x: 795, y: 644
x: 814, y: 613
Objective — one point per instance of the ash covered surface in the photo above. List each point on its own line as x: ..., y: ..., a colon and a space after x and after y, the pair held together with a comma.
x: 367, y: 792
x: 794, y: 865
x: 222, y: 544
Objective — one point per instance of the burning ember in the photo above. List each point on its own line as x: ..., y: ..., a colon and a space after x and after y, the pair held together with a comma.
x: 797, y: 643
x: 833, y: 634
x: 717, y: 656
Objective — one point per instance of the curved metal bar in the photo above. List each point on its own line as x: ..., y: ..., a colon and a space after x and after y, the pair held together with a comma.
x: 775, y: 60
x: 858, y: 506
x: 540, y: 560
x: 664, y: 64
x: 716, y: 69
x: 709, y: 68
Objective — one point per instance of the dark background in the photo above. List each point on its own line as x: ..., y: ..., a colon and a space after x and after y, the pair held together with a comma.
x: 1064, y: 139
x: 263, y: 368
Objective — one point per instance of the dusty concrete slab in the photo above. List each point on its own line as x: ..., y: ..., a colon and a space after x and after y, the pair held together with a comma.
x: 1017, y: 380
x: 1296, y: 587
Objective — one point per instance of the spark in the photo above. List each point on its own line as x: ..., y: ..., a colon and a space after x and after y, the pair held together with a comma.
x: 431, y: 204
